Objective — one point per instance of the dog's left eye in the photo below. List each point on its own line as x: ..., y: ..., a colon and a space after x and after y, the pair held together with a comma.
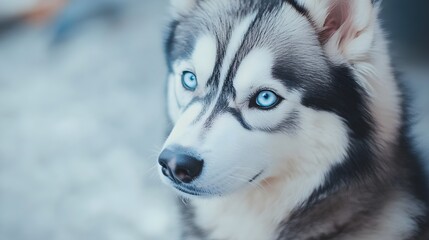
x: 265, y: 100
x: 189, y: 81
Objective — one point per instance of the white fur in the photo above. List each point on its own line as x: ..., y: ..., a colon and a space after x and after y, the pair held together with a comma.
x: 183, y: 132
x: 377, y: 74
x: 172, y: 103
x: 204, y: 59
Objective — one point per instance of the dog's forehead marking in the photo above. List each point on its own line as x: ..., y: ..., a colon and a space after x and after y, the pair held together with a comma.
x: 234, y: 45
x: 237, y: 38
x: 227, y: 58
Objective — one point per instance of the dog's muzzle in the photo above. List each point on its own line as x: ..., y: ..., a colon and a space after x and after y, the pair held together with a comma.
x: 179, y: 166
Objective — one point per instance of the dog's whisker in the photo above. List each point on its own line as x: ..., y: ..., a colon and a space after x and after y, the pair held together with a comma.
x: 154, y: 151
x: 150, y: 170
x: 240, y: 178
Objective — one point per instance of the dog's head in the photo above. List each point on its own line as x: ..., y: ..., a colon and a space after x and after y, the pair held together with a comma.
x: 265, y: 89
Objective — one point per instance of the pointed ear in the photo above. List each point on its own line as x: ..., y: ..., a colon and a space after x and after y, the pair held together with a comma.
x: 346, y: 28
x: 182, y: 7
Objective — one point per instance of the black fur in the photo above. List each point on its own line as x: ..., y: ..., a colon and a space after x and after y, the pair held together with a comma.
x: 298, y: 8
x: 237, y: 114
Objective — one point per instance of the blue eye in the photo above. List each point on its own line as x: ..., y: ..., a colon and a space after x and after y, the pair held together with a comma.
x: 189, y: 81
x: 267, y: 100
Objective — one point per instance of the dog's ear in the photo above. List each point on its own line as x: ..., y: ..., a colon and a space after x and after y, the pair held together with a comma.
x: 182, y: 7
x: 346, y: 28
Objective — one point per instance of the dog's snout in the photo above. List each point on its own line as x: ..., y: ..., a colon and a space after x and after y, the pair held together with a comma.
x: 180, y: 166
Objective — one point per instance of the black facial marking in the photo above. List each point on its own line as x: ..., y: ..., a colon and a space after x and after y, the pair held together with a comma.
x: 287, y: 125
x: 220, y: 55
x: 288, y: 75
x: 193, y: 101
x: 204, y: 111
x: 213, y: 82
x: 344, y: 97
x: 221, y: 106
x: 298, y: 8
x: 239, y: 116
x: 228, y: 88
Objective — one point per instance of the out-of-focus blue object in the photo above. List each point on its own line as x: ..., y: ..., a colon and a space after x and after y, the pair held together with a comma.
x: 407, y: 23
x: 78, y: 12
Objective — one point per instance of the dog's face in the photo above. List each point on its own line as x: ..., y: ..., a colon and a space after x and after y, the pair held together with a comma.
x: 256, y: 92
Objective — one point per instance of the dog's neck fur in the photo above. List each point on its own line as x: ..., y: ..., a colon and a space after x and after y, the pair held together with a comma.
x: 369, y: 210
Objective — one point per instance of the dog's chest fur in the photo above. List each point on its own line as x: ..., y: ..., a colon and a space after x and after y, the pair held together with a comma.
x: 240, y: 219
x: 234, y: 221
x: 253, y: 214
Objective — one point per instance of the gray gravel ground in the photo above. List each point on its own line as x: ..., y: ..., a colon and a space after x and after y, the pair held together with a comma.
x: 81, y: 124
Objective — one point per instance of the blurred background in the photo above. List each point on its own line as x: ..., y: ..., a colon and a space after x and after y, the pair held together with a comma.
x: 82, y: 114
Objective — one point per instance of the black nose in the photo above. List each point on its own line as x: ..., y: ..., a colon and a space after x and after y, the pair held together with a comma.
x: 180, y: 166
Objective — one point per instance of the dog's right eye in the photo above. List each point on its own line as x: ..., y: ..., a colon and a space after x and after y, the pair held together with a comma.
x: 265, y: 100
x: 189, y: 81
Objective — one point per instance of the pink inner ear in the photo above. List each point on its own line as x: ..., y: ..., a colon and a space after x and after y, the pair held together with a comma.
x: 337, y: 17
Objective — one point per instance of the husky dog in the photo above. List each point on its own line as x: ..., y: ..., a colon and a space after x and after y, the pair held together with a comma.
x: 288, y: 124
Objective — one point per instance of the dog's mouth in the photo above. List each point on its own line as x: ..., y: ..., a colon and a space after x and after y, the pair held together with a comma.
x: 189, y: 189
x: 193, y: 191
